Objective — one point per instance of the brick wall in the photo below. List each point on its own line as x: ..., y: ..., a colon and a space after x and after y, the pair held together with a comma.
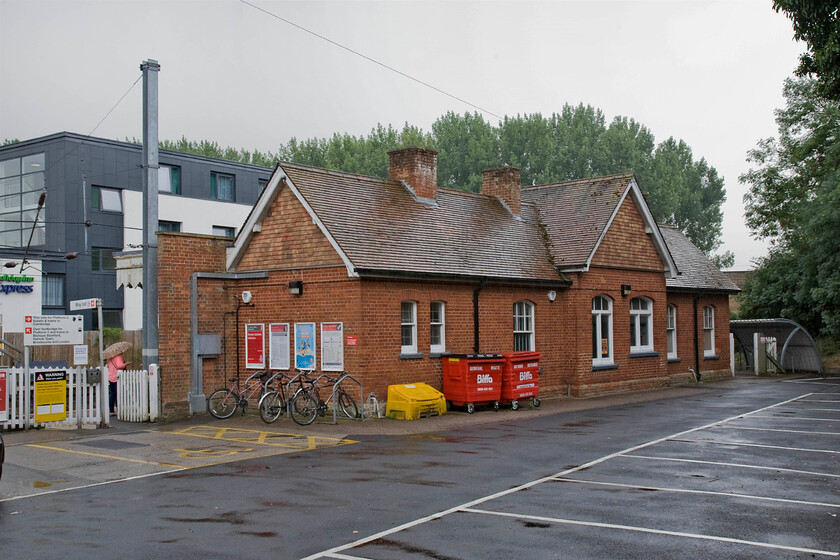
x: 626, y: 244
x: 288, y: 239
x: 710, y: 367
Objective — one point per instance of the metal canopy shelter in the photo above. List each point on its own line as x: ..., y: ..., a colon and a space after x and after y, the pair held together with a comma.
x: 798, y: 349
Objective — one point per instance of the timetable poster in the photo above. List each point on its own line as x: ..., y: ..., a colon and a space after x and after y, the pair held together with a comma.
x: 278, y: 346
x: 332, y: 347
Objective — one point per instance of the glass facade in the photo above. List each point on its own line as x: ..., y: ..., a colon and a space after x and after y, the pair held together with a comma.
x: 21, y: 185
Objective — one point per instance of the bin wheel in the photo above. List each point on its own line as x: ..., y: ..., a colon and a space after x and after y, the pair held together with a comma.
x: 470, y: 408
x: 448, y: 406
x: 514, y: 405
x: 496, y: 406
x: 536, y: 402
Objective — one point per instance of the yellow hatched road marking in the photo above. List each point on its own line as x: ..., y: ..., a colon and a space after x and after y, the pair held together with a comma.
x: 261, y: 437
x: 104, y: 456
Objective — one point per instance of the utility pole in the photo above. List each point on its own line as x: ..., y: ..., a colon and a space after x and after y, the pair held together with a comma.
x: 150, y: 69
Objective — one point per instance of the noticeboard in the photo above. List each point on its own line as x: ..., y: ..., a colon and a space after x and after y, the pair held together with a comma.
x: 254, y: 346
x: 50, y: 396
x: 305, y: 346
x: 332, y: 347
x: 278, y: 346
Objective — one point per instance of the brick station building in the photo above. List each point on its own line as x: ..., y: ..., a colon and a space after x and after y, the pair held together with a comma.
x: 578, y: 271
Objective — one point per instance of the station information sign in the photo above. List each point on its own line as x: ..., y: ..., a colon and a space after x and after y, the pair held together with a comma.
x: 48, y: 330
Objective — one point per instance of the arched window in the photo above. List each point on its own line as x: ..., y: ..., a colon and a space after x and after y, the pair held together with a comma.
x: 602, y: 343
x: 671, y: 331
x: 641, y: 325
x: 523, y: 326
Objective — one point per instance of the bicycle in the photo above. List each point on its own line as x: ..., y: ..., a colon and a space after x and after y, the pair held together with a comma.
x: 307, y: 403
x: 273, y: 403
x: 222, y: 403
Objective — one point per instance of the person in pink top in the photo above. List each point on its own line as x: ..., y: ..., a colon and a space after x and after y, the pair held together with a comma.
x: 114, y: 365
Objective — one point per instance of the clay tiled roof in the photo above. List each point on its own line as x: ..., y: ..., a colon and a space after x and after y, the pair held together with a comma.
x: 697, y: 272
x: 576, y: 213
x: 380, y: 227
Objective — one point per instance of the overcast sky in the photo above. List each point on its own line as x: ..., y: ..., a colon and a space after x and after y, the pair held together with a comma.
x: 710, y: 73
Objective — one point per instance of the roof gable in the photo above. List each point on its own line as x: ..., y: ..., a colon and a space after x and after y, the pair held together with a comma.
x: 578, y: 214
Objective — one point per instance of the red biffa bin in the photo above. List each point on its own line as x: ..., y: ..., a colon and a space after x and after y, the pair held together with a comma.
x: 520, y: 378
x: 471, y: 379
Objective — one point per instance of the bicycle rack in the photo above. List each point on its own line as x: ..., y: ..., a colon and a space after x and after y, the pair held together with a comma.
x: 306, y: 379
x: 360, y: 406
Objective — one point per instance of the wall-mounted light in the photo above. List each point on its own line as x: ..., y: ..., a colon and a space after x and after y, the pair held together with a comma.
x: 625, y: 290
x: 552, y: 295
x: 296, y: 288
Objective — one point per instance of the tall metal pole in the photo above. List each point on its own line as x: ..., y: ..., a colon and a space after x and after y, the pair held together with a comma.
x: 150, y: 69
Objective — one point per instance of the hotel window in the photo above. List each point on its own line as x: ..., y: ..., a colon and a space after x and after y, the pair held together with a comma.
x: 165, y: 225
x: 105, y: 199
x: 408, y: 327
x: 641, y: 319
x: 437, y: 325
x: 169, y: 179
x: 671, y: 331
x: 52, y: 290
x: 102, y: 258
x: 602, y: 346
x: 523, y: 326
x: 261, y: 184
x: 708, y: 331
x: 222, y: 186
x: 224, y: 231
x: 21, y: 185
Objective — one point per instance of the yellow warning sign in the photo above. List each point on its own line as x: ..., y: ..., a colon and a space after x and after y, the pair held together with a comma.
x: 50, y: 396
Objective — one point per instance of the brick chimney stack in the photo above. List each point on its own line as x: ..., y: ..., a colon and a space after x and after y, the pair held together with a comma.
x: 417, y: 167
x: 505, y: 184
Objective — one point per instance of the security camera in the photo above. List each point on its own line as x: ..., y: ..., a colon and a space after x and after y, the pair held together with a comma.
x: 246, y: 297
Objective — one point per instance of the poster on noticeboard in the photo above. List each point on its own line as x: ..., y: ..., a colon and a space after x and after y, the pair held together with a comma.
x: 254, y: 346
x: 332, y: 346
x: 305, y: 346
x: 278, y: 346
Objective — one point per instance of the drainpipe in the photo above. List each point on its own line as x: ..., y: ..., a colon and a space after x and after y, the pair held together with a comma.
x: 697, y: 297
x: 475, y: 314
x: 196, y: 398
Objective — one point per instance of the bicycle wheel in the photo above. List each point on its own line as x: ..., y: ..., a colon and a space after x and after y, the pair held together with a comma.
x: 347, y: 404
x: 271, y: 406
x: 304, y: 407
x: 222, y: 403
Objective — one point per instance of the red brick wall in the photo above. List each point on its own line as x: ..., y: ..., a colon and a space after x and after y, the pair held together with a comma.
x: 626, y: 244
x: 709, y: 367
x: 179, y: 255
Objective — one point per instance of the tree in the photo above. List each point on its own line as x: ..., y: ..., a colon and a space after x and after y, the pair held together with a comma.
x: 817, y: 22
x: 794, y: 201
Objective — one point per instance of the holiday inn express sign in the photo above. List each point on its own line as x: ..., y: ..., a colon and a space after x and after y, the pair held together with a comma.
x: 16, y: 284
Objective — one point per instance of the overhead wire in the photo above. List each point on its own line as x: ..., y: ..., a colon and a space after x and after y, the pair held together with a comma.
x: 370, y: 59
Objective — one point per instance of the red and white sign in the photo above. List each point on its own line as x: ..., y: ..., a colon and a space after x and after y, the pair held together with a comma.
x: 4, y: 380
x: 352, y: 340
x: 254, y: 346
x: 80, y: 304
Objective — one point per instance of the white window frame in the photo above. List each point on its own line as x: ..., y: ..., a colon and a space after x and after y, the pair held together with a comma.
x: 708, y: 330
x: 408, y: 324
x: 597, y: 330
x: 110, y: 200
x: 165, y: 179
x: 671, y: 331
x: 439, y: 325
x: 523, y: 325
x: 641, y: 308
x: 224, y: 231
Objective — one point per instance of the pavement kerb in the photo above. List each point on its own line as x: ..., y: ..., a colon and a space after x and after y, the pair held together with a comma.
x: 372, y: 426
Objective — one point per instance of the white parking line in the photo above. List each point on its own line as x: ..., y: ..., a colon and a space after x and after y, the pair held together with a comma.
x: 335, y: 550
x: 784, y: 431
x: 799, y: 418
x: 742, y: 444
x: 724, y: 464
x: 707, y: 492
x: 653, y: 531
x: 819, y: 400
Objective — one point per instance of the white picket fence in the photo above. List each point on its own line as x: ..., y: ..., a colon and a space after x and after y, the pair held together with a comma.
x: 137, y: 398
x: 137, y: 395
